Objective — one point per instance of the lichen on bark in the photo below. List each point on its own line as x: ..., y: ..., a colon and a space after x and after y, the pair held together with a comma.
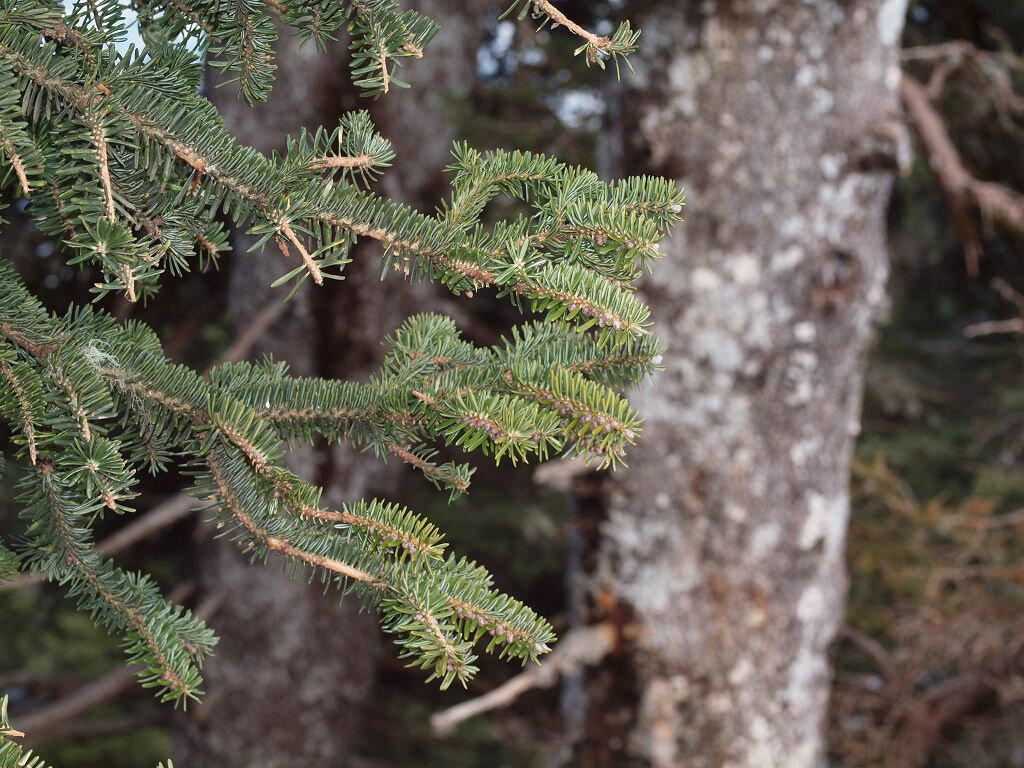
x: 725, y: 537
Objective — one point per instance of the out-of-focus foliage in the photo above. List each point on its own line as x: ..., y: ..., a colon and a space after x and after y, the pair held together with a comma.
x: 930, y: 669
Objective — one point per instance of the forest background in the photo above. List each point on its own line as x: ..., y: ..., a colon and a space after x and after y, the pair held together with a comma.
x: 929, y: 664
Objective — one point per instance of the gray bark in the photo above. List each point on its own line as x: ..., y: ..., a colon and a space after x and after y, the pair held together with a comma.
x: 721, y: 550
x: 292, y: 666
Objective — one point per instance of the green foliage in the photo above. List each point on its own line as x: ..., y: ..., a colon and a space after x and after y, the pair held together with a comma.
x: 122, y: 160
x: 11, y: 754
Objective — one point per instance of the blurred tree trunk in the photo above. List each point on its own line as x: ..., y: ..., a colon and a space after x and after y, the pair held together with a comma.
x: 720, y: 550
x: 292, y: 667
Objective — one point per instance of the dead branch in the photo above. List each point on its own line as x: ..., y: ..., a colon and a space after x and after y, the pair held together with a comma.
x: 963, y: 191
x: 926, y: 717
x: 983, y: 523
x: 993, y: 327
x: 872, y: 648
x: 263, y: 319
x: 581, y: 647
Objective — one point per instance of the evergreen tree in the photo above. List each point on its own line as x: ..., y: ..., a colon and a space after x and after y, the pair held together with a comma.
x: 121, y: 160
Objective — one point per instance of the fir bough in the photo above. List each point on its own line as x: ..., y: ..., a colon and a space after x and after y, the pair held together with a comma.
x: 124, y: 163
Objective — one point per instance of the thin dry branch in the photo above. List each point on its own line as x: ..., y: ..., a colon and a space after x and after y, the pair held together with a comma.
x: 581, y: 647
x: 259, y: 324
x: 995, y: 327
x: 16, y: 164
x: 963, y: 191
x: 311, y: 265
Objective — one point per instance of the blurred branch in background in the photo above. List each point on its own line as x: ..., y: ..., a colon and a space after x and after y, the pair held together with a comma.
x: 1012, y: 325
x: 965, y: 193
x: 579, y: 648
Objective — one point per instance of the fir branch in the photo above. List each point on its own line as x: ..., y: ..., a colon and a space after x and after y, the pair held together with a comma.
x: 598, y: 48
x: 135, y: 166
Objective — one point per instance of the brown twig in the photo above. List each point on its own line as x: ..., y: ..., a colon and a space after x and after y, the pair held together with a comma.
x: 598, y: 42
x: 311, y: 266
x: 993, y: 327
x: 963, y: 191
x: 341, y: 161
x: 259, y: 324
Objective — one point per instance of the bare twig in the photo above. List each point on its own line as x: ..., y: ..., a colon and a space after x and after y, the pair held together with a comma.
x: 924, y: 718
x: 341, y: 161
x: 598, y: 42
x: 579, y: 648
x: 983, y: 523
x: 947, y: 50
x: 872, y: 648
x: 263, y: 319
x: 963, y: 191
x: 992, y: 327
x: 1008, y: 292
x: 311, y: 265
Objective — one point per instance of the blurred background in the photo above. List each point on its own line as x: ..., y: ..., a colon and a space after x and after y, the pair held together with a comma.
x: 702, y: 586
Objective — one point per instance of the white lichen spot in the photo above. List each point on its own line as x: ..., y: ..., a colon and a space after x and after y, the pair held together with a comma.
x: 787, y: 259
x: 764, y: 539
x: 831, y: 165
x: 810, y: 607
x: 719, y: 349
x: 704, y: 279
x: 745, y: 269
x: 719, y: 703
x: 805, y: 332
x: 794, y: 227
x: 893, y: 74
x: 805, y: 76
x: 741, y: 672
x: 756, y: 617
x: 826, y: 521
x: 822, y: 101
x: 800, y: 376
x: 891, y: 17
x: 735, y: 512
x: 802, y: 450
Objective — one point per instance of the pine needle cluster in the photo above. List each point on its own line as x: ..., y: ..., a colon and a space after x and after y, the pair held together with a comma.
x: 121, y: 160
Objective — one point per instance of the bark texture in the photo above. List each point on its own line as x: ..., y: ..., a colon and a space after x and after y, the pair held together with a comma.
x: 721, y: 552
x: 293, y: 667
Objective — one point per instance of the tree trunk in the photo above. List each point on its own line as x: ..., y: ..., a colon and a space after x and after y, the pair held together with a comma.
x: 292, y: 667
x: 721, y: 548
